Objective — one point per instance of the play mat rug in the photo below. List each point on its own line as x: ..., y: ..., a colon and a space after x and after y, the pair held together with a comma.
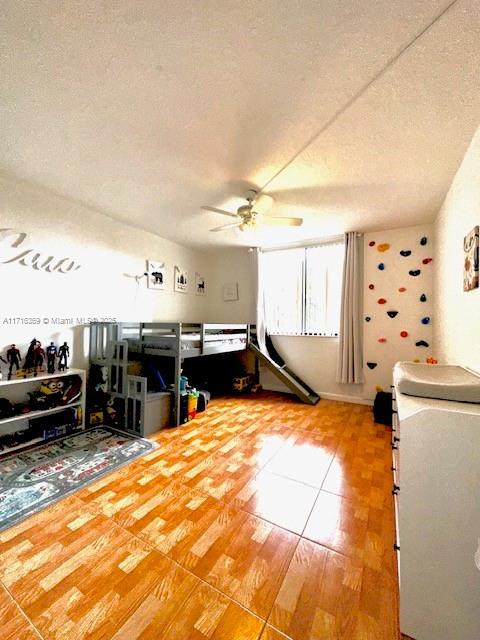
x: 31, y: 480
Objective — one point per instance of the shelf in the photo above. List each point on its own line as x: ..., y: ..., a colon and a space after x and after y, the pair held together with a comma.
x: 37, y: 414
x: 28, y: 443
x: 43, y: 376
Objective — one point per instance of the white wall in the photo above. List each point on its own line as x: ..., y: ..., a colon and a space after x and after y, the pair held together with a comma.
x: 226, y: 266
x: 457, y: 329
x: 106, y: 250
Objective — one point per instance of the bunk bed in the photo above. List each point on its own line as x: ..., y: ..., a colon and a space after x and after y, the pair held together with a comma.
x: 113, y: 344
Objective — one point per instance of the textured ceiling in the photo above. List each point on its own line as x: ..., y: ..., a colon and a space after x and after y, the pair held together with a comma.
x: 149, y: 109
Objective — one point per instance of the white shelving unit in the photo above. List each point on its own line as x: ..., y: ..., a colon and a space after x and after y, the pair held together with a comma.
x: 436, y: 465
x: 16, y: 390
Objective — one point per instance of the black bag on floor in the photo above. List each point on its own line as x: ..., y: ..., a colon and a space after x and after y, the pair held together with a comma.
x: 382, y: 408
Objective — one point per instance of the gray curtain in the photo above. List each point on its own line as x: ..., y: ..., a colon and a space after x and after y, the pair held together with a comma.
x: 259, y: 300
x: 350, y: 362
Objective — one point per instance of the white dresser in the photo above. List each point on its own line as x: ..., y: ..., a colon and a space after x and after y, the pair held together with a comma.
x: 436, y: 446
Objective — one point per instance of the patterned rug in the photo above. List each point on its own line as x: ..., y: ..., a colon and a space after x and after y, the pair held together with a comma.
x: 31, y: 480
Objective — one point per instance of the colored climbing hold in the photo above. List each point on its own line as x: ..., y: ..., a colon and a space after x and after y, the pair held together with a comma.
x: 402, y: 289
x: 405, y: 253
x: 415, y: 272
x: 383, y: 247
x: 371, y: 365
x: 371, y: 286
x: 423, y: 298
x: 371, y: 243
x: 416, y: 360
x: 422, y: 343
x: 392, y: 314
x: 381, y: 266
x: 423, y: 241
x: 367, y: 318
x: 382, y: 340
x: 426, y: 320
x: 427, y: 260
x: 404, y: 334
x: 381, y: 301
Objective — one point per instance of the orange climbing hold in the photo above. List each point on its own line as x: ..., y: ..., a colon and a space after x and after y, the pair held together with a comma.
x: 383, y: 247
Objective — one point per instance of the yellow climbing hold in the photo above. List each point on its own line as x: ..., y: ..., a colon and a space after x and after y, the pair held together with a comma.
x: 416, y: 360
x: 378, y: 388
x: 383, y: 247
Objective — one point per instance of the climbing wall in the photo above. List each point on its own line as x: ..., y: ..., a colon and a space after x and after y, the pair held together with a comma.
x: 397, y: 302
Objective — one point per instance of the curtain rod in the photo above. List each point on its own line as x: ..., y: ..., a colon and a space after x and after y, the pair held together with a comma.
x: 301, y: 245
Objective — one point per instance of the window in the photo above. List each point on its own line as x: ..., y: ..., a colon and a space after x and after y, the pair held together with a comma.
x: 302, y: 290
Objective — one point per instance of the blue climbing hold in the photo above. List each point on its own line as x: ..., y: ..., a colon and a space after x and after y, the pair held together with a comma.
x: 426, y: 320
x: 415, y: 272
x: 423, y: 298
x: 405, y: 253
x: 422, y: 343
x: 381, y: 266
x: 392, y: 314
x: 423, y: 241
x: 371, y: 365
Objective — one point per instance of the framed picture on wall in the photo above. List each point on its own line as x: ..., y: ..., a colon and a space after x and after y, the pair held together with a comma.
x: 470, y: 265
x: 155, y: 275
x: 199, y: 285
x: 180, y: 280
x: 230, y: 291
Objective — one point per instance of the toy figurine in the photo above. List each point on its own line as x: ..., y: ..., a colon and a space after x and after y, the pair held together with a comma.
x: 63, y: 354
x: 13, y: 358
x: 29, y: 362
x: 38, y: 357
x: 51, y: 355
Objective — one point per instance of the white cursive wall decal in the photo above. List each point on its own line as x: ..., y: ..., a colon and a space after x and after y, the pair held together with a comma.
x: 12, y: 249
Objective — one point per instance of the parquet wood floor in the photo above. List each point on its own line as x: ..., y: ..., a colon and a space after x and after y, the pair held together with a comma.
x: 263, y: 519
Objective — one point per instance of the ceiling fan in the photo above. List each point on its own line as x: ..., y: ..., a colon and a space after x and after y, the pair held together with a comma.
x: 252, y: 214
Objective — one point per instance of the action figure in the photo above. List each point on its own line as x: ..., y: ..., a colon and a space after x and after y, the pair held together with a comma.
x: 13, y: 358
x: 63, y: 354
x: 51, y: 355
x: 38, y: 356
x: 29, y: 362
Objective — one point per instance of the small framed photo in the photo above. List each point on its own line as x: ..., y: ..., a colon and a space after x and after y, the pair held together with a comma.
x: 155, y: 275
x: 199, y: 285
x: 470, y: 264
x: 230, y: 291
x: 181, y: 280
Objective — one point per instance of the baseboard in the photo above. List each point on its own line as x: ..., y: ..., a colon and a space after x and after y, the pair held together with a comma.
x: 340, y: 398
x: 328, y: 396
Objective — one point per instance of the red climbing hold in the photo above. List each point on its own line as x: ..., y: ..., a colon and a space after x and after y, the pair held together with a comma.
x: 381, y: 301
x: 371, y: 243
x: 402, y: 289
x: 371, y: 286
x: 382, y: 340
x: 404, y: 334
x: 427, y: 260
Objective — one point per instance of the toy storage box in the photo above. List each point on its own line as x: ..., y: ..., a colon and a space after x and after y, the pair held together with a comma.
x: 157, y: 412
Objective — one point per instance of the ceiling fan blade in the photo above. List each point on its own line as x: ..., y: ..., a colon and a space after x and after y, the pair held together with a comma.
x: 282, y: 221
x: 215, y: 210
x: 263, y: 203
x: 226, y: 226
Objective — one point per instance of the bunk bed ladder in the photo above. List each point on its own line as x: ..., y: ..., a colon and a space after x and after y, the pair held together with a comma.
x: 136, y: 400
